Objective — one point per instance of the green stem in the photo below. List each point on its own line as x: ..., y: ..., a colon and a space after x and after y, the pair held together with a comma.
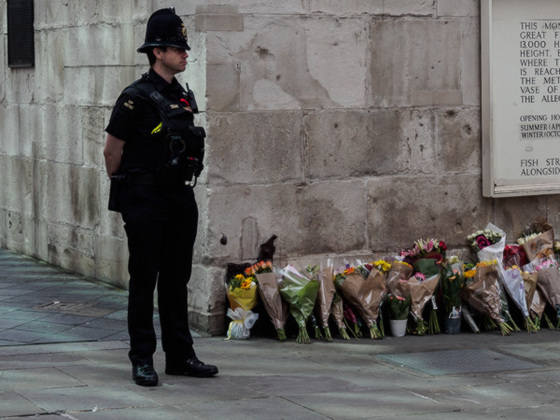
x: 344, y: 334
x: 547, y: 319
x: 281, y: 334
x: 529, y: 326
x: 374, y: 332
x: 328, y: 335
x: 303, y: 337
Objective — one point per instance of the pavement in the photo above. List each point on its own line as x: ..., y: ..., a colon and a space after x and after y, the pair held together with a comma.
x: 63, y: 355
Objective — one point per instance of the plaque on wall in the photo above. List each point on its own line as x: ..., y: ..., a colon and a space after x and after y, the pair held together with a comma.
x: 520, y: 47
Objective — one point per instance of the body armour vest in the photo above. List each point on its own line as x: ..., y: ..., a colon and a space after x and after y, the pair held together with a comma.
x: 177, y: 145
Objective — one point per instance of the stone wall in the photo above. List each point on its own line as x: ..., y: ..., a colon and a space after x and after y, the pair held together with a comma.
x: 345, y: 127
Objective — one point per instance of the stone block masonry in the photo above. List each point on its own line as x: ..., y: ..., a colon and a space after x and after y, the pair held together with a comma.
x: 346, y: 128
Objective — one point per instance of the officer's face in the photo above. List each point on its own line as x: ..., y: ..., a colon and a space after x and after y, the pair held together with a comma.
x: 174, y: 59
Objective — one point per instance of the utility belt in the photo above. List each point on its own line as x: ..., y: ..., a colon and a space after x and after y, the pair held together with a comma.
x: 120, y: 181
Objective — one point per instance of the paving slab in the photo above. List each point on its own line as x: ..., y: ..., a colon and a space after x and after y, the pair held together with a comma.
x: 64, y: 354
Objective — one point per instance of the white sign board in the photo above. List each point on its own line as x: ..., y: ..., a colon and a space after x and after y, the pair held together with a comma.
x: 520, y: 43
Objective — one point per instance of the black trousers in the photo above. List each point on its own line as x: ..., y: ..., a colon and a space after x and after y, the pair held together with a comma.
x: 160, y: 225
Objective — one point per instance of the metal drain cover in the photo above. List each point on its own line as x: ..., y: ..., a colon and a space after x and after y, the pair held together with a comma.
x: 451, y: 362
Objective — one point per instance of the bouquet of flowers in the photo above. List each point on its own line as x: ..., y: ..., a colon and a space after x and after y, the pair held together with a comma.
x: 300, y: 291
x: 514, y: 255
x: 535, y: 300
x: 401, y: 269
x: 512, y: 280
x: 488, y: 244
x: 325, y: 295
x: 537, y: 241
x: 452, y: 284
x: 270, y: 295
x: 421, y: 291
x: 363, y: 289
x: 399, y: 307
x: 430, y: 248
x: 548, y: 282
x: 337, y: 314
x: 241, y: 292
x: 482, y: 292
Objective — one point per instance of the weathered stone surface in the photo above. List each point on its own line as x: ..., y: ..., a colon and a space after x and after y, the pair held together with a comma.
x: 362, y: 143
x: 48, y: 84
x: 242, y: 148
x: 59, y: 13
x: 346, y: 7
x: 219, y: 22
x: 59, y: 124
x: 429, y: 50
x: 415, y: 207
x: 72, y: 247
x: 224, y: 88
x: 515, y: 214
x: 73, y: 196
x: 96, y: 45
x: 286, y: 63
x: 253, y: 6
x: 470, y: 61
x: 111, y: 261
x: 459, y: 139
x: 318, y: 218
x: 458, y: 8
x: 17, y: 186
x: 207, y: 299
x: 409, y: 7
x: 347, y: 128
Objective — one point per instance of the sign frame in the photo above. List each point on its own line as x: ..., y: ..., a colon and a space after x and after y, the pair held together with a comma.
x: 513, y: 165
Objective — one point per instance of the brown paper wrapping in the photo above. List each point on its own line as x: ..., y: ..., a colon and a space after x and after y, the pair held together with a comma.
x: 538, y: 304
x: 483, y: 293
x: 276, y: 308
x: 530, y: 283
x: 326, y: 294
x: 365, y: 295
x: 337, y: 313
x: 420, y: 294
x: 404, y: 270
x: 548, y: 282
x: 541, y: 246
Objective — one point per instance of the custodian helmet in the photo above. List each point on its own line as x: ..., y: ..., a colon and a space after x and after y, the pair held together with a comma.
x: 165, y: 29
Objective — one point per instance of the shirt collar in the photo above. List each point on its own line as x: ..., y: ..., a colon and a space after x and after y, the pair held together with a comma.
x: 160, y: 83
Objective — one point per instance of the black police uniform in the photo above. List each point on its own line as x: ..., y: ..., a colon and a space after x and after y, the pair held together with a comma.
x: 160, y: 217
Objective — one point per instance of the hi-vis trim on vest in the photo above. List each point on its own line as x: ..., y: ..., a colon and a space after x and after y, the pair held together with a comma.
x: 157, y: 129
x: 129, y: 104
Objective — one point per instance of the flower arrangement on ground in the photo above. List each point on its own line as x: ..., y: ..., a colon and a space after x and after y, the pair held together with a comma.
x: 325, y: 295
x: 537, y: 240
x: 300, y: 291
x: 241, y: 292
x: 452, y: 284
x: 548, y: 282
x: 481, y: 292
x: 399, y: 306
x: 337, y: 314
x: 512, y: 279
x: 363, y: 288
x: 483, y: 238
x: 270, y: 295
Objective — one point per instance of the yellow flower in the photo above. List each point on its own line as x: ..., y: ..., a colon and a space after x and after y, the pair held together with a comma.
x: 487, y: 263
x: 470, y: 273
x: 382, y: 265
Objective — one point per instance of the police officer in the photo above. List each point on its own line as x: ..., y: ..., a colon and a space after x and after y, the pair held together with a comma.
x: 153, y: 154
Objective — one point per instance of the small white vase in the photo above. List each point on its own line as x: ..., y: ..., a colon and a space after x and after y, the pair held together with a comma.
x: 398, y: 327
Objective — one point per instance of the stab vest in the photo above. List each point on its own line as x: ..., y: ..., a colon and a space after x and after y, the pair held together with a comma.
x: 183, y: 143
